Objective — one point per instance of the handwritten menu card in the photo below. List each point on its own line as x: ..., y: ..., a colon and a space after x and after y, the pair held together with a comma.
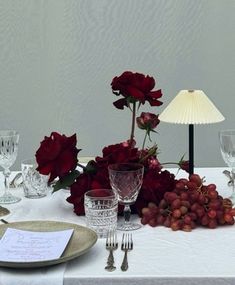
x: 27, y: 246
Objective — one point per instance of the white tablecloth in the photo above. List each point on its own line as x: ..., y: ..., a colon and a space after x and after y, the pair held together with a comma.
x: 160, y: 256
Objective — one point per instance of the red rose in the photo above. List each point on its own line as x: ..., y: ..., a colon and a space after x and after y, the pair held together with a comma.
x: 147, y: 121
x: 137, y: 87
x: 57, y: 155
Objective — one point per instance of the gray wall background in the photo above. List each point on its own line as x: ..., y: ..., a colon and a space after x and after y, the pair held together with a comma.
x: 58, y: 58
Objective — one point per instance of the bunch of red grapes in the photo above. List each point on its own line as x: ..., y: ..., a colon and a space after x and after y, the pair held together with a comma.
x: 190, y: 204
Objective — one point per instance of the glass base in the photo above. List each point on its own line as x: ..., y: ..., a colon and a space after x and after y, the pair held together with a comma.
x: 9, y: 199
x: 128, y: 226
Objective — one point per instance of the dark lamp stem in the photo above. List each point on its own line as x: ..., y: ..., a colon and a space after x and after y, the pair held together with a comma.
x: 191, y: 149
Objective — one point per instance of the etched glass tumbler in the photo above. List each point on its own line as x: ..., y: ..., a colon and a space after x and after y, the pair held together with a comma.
x: 126, y: 180
x: 34, y: 184
x: 101, y: 206
x: 9, y: 140
x: 227, y: 148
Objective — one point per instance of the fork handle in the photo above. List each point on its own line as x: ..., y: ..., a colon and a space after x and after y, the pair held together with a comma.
x: 110, y: 262
x: 124, y: 265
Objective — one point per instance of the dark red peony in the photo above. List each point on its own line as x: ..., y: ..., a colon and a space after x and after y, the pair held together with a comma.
x: 57, y: 155
x: 135, y: 87
x: 118, y: 153
x: 155, y: 184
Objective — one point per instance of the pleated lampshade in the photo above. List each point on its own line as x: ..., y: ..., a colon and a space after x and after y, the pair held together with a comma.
x: 191, y: 107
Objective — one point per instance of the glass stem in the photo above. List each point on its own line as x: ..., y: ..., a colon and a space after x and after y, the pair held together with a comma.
x: 233, y: 178
x: 6, y: 174
x: 127, y: 214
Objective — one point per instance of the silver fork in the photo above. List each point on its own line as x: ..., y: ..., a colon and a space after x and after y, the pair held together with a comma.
x: 127, y: 245
x: 111, y: 245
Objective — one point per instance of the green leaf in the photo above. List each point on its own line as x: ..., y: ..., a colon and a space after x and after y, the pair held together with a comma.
x: 90, y: 167
x: 66, y: 181
x: 139, y: 105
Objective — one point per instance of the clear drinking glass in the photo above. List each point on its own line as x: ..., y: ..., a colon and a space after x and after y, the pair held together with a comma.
x: 227, y: 147
x: 126, y: 180
x: 8, y: 152
x: 101, y: 206
x: 34, y: 184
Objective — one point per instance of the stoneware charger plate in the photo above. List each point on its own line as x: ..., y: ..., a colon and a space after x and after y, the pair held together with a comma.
x: 81, y: 241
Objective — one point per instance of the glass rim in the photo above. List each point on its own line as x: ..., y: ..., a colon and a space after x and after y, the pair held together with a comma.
x: 29, y: 161
x: 227, y: 132
x: 5, y: 133
x: 141, y: 166
x: 103, y: 197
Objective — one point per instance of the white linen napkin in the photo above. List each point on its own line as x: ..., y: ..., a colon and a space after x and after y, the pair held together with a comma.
x: 50, y: 275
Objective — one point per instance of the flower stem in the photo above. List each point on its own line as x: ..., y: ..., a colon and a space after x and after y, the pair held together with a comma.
x: 169, y: 163
x: 82, y: 166
x: 133, y: 123
x: 146, y: 133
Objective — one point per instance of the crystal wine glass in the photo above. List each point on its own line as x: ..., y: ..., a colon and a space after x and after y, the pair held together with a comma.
x: 227, y: 147
x: 126, y: 180
x: 8, y: 153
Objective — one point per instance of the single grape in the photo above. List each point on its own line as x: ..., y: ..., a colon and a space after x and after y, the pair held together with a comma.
x: 176, y: 213
x: 205, y: 220
x: 211, y: 214
x: 196, y: 179
x: 153, y: 222
x: 175, y: 226
x: 211, y: 187
x: 212, y: 194
x: 187, y: 228
x: 192, y: 186
x: 212, y: 224
x: 176, y: 204
x: 183, y: 210
x: 187, y: 220
x: 228, y: 217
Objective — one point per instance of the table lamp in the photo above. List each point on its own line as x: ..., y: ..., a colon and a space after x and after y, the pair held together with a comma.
x: 191, y: 107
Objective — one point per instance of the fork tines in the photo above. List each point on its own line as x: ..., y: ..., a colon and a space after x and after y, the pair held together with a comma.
x: 111, y: 239
x: 127, y: 242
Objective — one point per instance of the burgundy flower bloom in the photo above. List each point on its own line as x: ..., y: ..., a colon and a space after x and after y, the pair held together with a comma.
x: 154, y: 163
x: 57, y: 155
x: 87, y: 181
x: 77, y: 191
x: 184, y: 165
x: 118, y: 153
x: 155, y: 184
x: 147, y: 121
x: 135, y: 87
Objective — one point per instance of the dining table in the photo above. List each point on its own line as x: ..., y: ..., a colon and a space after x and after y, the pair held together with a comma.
x: 159, y: 256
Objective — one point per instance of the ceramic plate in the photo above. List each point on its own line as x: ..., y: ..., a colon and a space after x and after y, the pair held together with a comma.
x: 81, y: 241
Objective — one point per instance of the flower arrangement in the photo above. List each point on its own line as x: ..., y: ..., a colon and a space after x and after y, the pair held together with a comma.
x: 57, y: 157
